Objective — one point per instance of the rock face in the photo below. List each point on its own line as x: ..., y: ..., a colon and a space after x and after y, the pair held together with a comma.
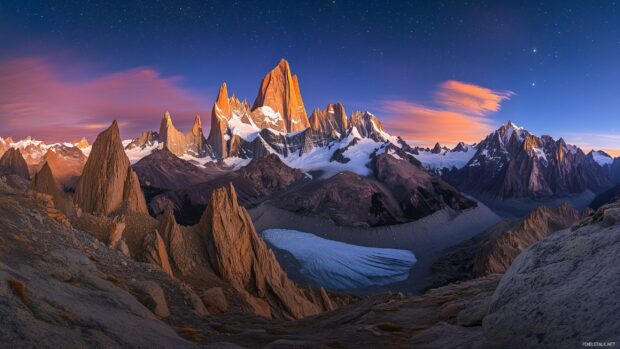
x: 225, y: 244
x: 220, y: 115
x: 495, y: 249
x: 108, y: 183
x: 163, y: 170
x: 346, y: 199
x: 13, y: 162
x: 279, y: 91
x: 146, y: 139
x: 573, y: 277
x: 417, y: 192
x: 155, y: 252
x: 44, y: 182
x: 67, y: 164
x: 241, y: 257
x: 331, y: 121
x: 368, y: 126
x: 256, y: 182
x: 516, y: 164
x: 193, y: 143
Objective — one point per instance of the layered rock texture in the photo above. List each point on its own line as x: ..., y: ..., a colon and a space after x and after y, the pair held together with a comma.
x: 108, y: 184
x: 259, y: 181
x: 45, y: 182
x: 517, y: 164
x: 225, y: 244
x: 13, y: 162
x: 573, y: 275
x: 279, y: 91
x: 192, y: 143
x: 494, y: 250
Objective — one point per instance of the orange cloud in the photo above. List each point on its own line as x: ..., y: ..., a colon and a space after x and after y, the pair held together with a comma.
x: 425, y: 126
x: 37, y: 100
x: 470, y: 98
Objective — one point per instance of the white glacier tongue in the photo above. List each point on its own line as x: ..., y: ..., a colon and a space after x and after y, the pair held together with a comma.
x: 337, y: 265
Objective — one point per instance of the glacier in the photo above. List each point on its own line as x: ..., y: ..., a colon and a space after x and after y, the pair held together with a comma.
x: 337, y: 265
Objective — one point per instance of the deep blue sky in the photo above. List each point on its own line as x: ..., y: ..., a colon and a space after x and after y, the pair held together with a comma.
x: 560, y: 58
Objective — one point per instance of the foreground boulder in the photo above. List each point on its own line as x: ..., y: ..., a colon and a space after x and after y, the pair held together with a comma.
x: 108, y: 184
x: 562, y: 291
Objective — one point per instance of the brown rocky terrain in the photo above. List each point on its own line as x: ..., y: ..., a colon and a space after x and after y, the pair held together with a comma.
x: 12, y: 162
x: 162, y: 170
x: 494, y: 250
x: 108, y: 184
x: 417, y: 192
x: 255, y: 183
x: 45, y: 182
x: 469, y: 314
x: 345, y: 199
x: 67, y: 163
x: 192, y: 143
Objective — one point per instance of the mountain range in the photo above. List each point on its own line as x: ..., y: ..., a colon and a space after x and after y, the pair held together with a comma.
x: 157, y: 241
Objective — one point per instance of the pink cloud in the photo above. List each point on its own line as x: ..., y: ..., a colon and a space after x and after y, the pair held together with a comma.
x: 461, y: 115
x: 37, y: 102
x: 425, y: 126
x: 470, y: 98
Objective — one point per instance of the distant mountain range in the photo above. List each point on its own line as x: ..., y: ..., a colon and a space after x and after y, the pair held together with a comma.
x: 509, y: 163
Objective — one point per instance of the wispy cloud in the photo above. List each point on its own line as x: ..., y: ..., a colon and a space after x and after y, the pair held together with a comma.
x: 461, y: 114
x: 36, y: 101
x: 423, y: 125
x: 469, y: 98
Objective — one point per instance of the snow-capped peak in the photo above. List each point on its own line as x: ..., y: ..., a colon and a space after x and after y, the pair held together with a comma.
x: 601, y: 157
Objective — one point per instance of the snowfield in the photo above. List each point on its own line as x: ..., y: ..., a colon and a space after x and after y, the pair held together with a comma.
x: 446, y: 159
x: 337, y: 265
x: 601, y: 158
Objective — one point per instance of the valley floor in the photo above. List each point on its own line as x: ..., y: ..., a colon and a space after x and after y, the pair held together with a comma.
x: 426, y: 238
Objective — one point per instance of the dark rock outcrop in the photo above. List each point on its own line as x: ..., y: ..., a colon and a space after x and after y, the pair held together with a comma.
x: 495, y: 249
x: 162, y: 170
x: 255, y: 183
x: 12, y: 162
x: 417, y: 192
x: 516, y: 164
x: 346, y: 199
x: 607, y: 197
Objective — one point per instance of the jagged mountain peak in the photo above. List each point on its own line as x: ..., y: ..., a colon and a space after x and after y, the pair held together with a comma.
x: 279, y: 90
x: 108, y: 183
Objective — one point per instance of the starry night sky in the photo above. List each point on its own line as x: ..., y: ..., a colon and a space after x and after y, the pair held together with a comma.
x: 555, y: 63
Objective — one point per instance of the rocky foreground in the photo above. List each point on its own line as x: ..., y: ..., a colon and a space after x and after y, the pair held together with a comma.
x: 62, y: 287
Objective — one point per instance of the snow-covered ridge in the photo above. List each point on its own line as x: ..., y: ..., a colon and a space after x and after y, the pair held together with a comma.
x: 447, y: 159
x: 601, y: 158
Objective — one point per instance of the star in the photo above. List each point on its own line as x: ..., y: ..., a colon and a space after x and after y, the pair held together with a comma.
x: 534, y: 50
x: 533, y: 84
